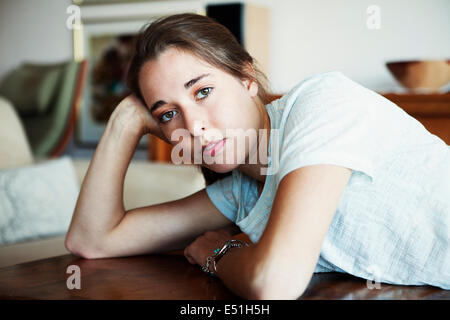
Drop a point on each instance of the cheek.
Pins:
(230, 114)
(239, 117)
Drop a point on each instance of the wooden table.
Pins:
(170, 277)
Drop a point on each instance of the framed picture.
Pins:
(106, 38)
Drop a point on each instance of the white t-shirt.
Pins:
(392, 223)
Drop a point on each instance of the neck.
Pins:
(254, 170)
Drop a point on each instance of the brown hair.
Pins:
(203, 37)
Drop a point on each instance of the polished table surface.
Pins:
(170, 277)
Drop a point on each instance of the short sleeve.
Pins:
(221, 195)
(331, 124)
(234, 195)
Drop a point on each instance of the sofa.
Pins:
(146, 183)
(46, 96)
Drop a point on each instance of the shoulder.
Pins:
(323, 89)
(316, 83)
(311, 96)
(325, 97)
(326, 121)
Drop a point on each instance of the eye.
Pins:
(203, 93)
(171, 115)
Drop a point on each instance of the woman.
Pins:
(348, 181)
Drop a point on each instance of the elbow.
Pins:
(77, 249)
(275, 291)
(278, 286)
(74, 248)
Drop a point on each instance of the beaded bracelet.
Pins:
(218, 254)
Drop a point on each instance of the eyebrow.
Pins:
(187, 85)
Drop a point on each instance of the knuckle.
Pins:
(209, 233)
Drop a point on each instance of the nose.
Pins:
(194, 123)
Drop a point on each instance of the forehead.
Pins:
(176, 66)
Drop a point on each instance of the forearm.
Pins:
(244, 274)
(100, 203)
(236, 269)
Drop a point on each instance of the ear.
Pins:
(249, 84)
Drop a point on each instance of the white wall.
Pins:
(307, 36)
(316, 36)
(33, 31)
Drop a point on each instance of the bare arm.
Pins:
(99, 207)
(165, 227)
(302, 211)
(100, 226)
(281, 264)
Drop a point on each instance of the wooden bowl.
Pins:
(428, 75)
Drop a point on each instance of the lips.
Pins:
(213, 147)
(210, 145)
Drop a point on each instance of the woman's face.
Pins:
(186, 94)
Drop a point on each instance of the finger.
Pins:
(209, 234)
(188, 256)
(225, 232)
(190, 260)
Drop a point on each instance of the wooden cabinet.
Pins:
(432, 110)
(158, 150)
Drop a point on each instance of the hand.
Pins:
(204, 246)
(132, 112)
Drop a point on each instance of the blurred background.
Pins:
(63, 65)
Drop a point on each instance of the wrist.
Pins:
(127, 119)
(210, 266)
(236, 271)
(121, 126)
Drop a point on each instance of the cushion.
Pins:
(37, 201)
(31, 87)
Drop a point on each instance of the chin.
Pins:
(225, 167)
(220, 168)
